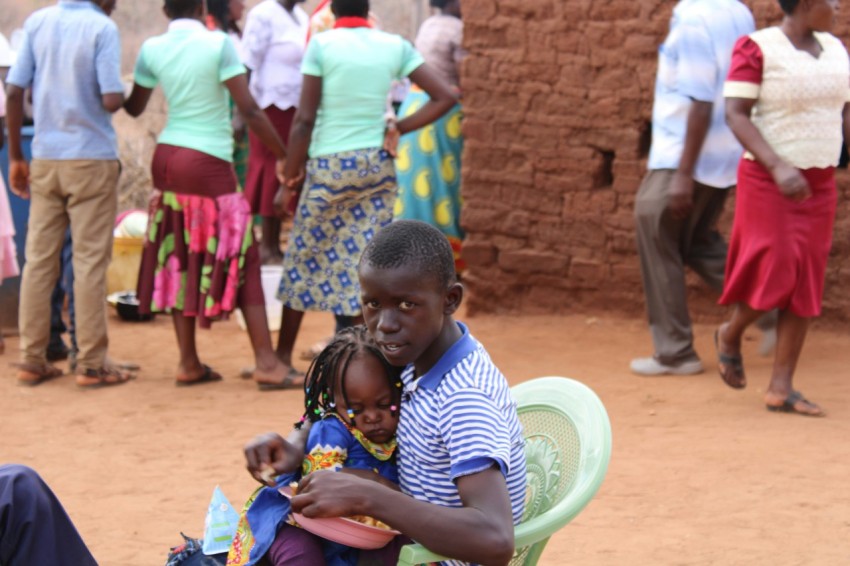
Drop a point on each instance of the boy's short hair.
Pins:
(348, 8)
(182, 8)
(412, 243)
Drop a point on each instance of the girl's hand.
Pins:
(279, 171)
(791, 182)
(270, 450)
(391, 137)
(281, 197)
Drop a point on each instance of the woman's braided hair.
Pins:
(331, 365)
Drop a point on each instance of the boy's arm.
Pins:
(18, 168)
(481, 531)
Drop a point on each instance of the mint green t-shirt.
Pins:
(357, 67)
(191, 64)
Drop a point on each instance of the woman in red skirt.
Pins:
(200, 261)
(786, 101)
(272, 48)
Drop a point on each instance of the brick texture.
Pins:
(557, 102)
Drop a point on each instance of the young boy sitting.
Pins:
(461, 459)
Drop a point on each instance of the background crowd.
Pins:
(778, 96)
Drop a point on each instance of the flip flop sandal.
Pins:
(105, 377)
(209, 376)
(30, 375)
(788, 405)
(731, 368)
(287, 383)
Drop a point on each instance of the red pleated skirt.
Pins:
(261, 184)
(779, 248)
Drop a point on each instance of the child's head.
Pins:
(175, 9)
(351, 378)
(349, 8)
(409, 291)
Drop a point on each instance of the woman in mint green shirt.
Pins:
(337, 148)
(199, 260)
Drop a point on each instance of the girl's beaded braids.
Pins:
(331, 364)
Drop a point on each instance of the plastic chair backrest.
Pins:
(568, 447)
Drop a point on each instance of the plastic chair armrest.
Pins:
(413, 554)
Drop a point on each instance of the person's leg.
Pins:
(34, 527)
(728, 339)
(270, 243)
(703, 247)
(56, 347)
(189, 368)
(343, 321)
(46, 229)
(791, 335)
(293, 545)
(289, 324)
(386, 555)
(68, 286)
(92, 205)
(663, 275)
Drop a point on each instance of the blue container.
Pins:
(9, 289)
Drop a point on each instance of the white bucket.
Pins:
(270, 275)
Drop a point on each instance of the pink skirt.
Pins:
(199, 255)
(779, 248)
(8, 252)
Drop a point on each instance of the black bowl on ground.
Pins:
(127, 306)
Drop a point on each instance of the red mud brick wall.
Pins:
(557, 102)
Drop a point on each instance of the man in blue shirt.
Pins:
(692, 165)
(70, 57)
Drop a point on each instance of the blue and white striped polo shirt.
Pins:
(692, 65)
(456, 420)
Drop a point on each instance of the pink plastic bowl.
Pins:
(342, 530)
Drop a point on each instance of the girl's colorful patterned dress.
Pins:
(332, 445)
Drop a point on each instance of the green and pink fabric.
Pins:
(196, 247)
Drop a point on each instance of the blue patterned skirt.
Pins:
(347, 198)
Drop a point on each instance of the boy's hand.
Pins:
(681, 196)
(331, 494)
(19, 178)
(270, 450)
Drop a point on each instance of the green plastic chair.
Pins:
(568, 447)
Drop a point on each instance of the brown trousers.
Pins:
(665, 246)
(84, 194)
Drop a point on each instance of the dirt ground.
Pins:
(700, 474)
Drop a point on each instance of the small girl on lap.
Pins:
(352, 398)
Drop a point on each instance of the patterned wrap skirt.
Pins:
(347, 198)
(428, 166)
(779, 248)
(199, 255)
